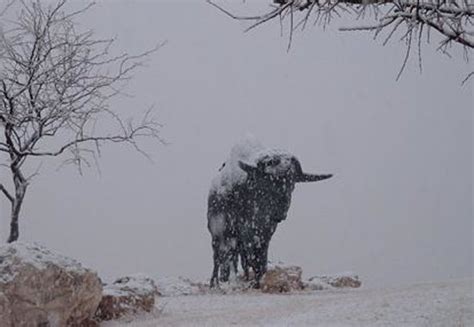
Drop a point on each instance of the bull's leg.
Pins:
(258, 277)
(235, 263)
(224, 250)
(229, 260)
(264, 262)
(215, 272)
(252, 262)
(246, 272)
(225, 271)
(244, 263)
(245, 260)
(261, 265)
(234, 257)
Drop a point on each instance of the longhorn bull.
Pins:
(247, 200)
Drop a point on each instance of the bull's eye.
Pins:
(274, 162)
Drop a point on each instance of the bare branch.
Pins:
(130, 137)
(6, 193)
(467, 78)
(6, 7)
(407, 54)
(453, 19)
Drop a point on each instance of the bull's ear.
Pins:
(249, 169)
(301, 178)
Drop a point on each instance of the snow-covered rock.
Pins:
(39, 287)
(316, 284)
(126, 296)
(282, 279)
(176, 286)
(344, 280)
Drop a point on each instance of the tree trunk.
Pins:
(20, 190)
(15, 215)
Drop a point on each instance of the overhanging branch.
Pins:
(451, 19)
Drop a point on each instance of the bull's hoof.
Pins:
(214, 283)
(255, 285)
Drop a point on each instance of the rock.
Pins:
(316, 284)
(176, 286)
(92, 322)
(282, 279)
(343, 281)
(126, 296)
(5, 310)
(39, 287)
(346, 280)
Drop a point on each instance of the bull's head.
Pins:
(281, 167)
(273, 178)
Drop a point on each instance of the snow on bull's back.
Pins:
(248, 150)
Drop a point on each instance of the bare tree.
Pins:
(55, 87)
(453, 20)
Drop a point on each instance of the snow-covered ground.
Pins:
(425, 304)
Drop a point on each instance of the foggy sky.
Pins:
(398, 210)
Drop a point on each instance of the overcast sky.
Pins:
(398, 210)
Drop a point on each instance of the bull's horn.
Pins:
(311, 177)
